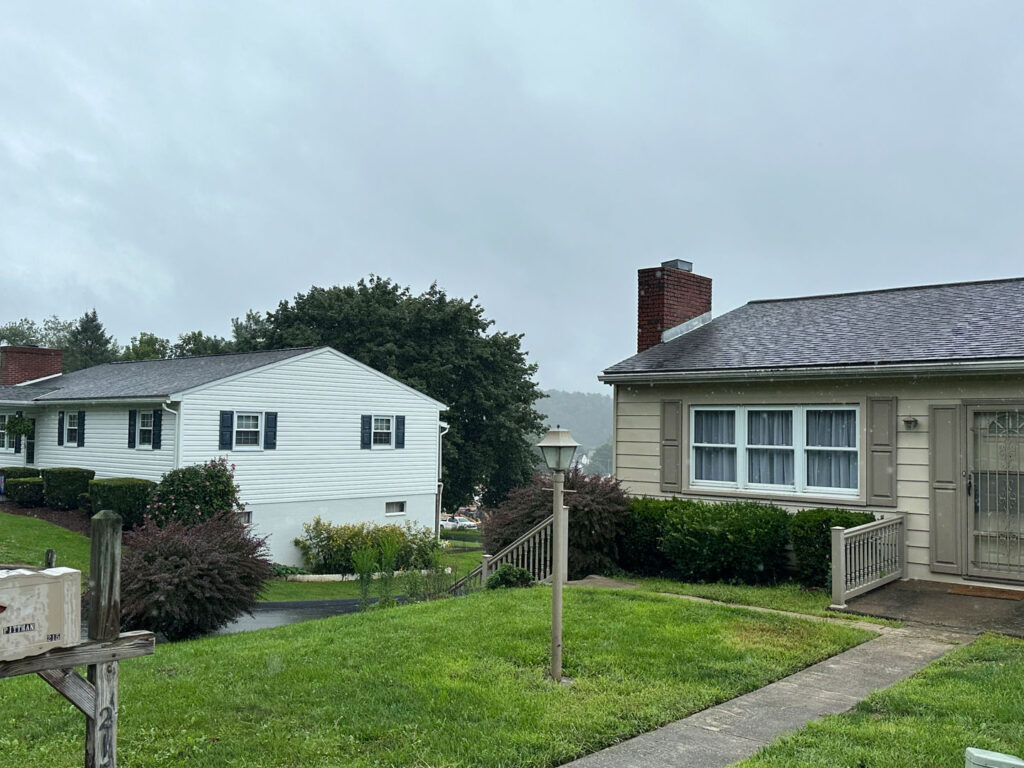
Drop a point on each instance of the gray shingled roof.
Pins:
(955, 322)
(146, 378)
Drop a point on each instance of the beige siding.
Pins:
(638, 408)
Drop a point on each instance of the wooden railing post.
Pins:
(51, 558)
(104, 626)
(838, 568)
(485, 568)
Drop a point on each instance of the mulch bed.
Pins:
(73, 519)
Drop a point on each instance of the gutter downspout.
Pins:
(440, 485)
(177, 433)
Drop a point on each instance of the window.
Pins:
(247, 430)
(71, 429)
(382, 432)
(3, 433)
(793, 449)
(145, 437)
(392, 508)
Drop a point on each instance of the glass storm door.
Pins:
(995, 492)
(30, 445)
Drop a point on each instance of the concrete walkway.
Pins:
(732, 731)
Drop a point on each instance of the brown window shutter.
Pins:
(671, 445)
(945, 476)
(881, 452)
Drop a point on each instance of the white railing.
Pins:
(867, 557)
(532, 551)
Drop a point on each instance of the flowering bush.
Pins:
(193, 494)
(186, 580)
(329, 548)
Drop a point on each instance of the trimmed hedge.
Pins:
(329, 548)
(810, 533)
(640, 548)
(17, 473)
(26, 491)
(127, 496)
(63, 485)
(509, 576)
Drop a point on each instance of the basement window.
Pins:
(394, 508)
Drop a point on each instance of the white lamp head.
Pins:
(558, 448)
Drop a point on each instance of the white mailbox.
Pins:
(39, 611)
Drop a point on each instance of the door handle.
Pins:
(970, 483)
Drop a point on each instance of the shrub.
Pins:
(26, 491)
(735, 542)
(187, 580)
(195, 493)
(597, 516)
(390, 544)
(128, 496)
(509, 576)
(17, 473)
(365, 561)
(282, 572)
(62, 486)
(329, 548)
(640, 549)
(810, 532)
(85, 502)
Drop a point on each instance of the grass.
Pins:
(24, 541)
(971, 698)
(448, 683)
(783, 597)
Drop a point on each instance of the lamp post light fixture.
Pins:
(558, 448)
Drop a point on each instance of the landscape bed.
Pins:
(971, 698)
(454, 682)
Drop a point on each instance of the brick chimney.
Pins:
(20, 364)
(668, 296)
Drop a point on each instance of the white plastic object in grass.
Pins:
(982, 758)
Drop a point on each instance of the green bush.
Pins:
(62, 486)
(640, 548)
(195, 493)
(85, 502)
(810, 532)
(26, 491)
(329, 548)
(17, 473)
(509, 576)
(739, 542)
(127, 496)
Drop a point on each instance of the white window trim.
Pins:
(8, 446)
(260, 433)
(405, 508)
(799, 448)
(68, 442)
(138, 432)
(373, 423)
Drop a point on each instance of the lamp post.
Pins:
(558, 448)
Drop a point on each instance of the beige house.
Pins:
(907, 401)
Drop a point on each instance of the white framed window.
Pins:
(793, 449)
(71, 429)
(248, 430)
(394, 508)
(3, 434)
(383, 432)
(144, 433)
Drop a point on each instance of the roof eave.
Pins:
(873, 370)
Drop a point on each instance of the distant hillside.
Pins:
(587, 415)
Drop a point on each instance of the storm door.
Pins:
(30, 445)
(995, 492)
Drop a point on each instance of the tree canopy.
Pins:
(434, 343)
(88, 344)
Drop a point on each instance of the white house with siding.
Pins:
(310, 431)
(905, 402)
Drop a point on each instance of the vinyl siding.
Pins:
(637, 454)
(319, 399)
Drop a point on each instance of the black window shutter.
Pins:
(270, 430)
(366, 432)
(227, 426)
(399, 431)
(81, 428)
(158, 424)
(17, 438)
(132, 416)
(60, 427)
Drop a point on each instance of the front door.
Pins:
(30, 445)
(995, 492)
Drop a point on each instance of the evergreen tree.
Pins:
(88, 344)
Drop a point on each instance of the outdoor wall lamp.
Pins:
(910, 422)
(558, 448)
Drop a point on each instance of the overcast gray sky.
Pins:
(175, 165)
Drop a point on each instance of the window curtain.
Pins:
(766, 465)
(832, 429)
(715, 427)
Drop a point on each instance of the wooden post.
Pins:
(558, 576)
(104, 626)
(838, 568)
(485, 568)
(51, 558)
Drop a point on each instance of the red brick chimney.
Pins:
(20, 364)
(668, 296)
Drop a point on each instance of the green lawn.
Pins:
(971, 698)
(24, 541)
(449, 683)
